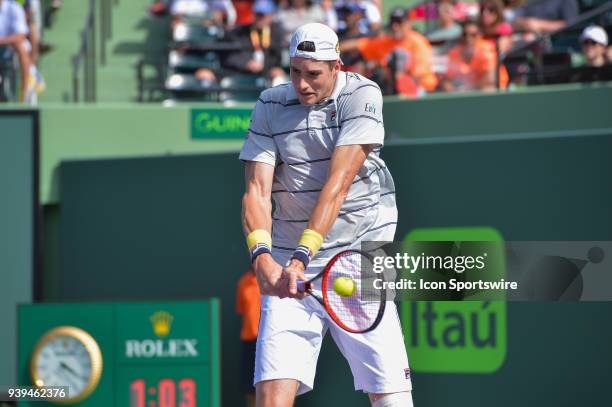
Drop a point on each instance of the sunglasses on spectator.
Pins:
(589, 42)
(490, 9)
(471, 34)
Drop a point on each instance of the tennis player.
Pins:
(313, 148)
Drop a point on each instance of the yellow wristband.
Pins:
(312, 240)
(259, 236)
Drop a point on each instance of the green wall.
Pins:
(537, 109)
(18, 142)
(72, 132)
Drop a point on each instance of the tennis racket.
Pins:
(358, 313)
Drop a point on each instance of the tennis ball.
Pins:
(344, 286)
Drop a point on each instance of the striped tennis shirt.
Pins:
(299, 141)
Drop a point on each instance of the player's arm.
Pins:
(257, 223)
(349, 45)
(345, 164)
(12, 39)
(257, 199)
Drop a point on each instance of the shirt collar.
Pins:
(339, 85)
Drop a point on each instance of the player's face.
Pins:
(313, 80)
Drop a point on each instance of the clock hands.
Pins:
(71, 371)
(68, 379)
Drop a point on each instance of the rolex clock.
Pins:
(67, 356)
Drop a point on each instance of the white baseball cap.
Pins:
(596, 34)
(315, 41)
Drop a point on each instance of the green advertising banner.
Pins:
(222, 123)
(456, 336)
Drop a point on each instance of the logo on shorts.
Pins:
(407, 373)
(370, 108)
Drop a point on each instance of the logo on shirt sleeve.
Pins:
(370, 108)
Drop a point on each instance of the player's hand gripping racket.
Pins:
(361, 307)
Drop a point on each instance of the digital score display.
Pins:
(170, 385)
(163, 393)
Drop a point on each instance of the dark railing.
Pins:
(86, 55)
(106, 27)
(540, 45)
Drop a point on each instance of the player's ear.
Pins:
(335, 66)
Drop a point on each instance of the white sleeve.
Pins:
(361, 117)
(372, 13)
(19, 23)
(259, 144)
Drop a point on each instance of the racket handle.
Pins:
(302, 286)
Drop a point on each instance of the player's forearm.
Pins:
(349, 45)
(257, 199)
(12, 39)
(549, 26)
(256, 213)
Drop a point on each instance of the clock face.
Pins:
(67, 356)
(64, 361)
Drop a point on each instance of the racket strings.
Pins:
(359, 311)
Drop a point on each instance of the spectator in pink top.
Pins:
(493, 26)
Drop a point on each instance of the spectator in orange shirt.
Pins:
(248, 305)
(472, 63)
(405, 51)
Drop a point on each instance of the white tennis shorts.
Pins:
(291, 332)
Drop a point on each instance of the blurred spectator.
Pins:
(371, 12)
(330, 17)
(447, 28)
(218, 12)
(405, 57)
(297, 13)
(244, 12)
(354, 23)
(472, 63)
(13, 31)
(493, 26)
(541, 17)
(355, 26)
(262, 51)
(445, 35)
(594, 41)
(248, 305)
